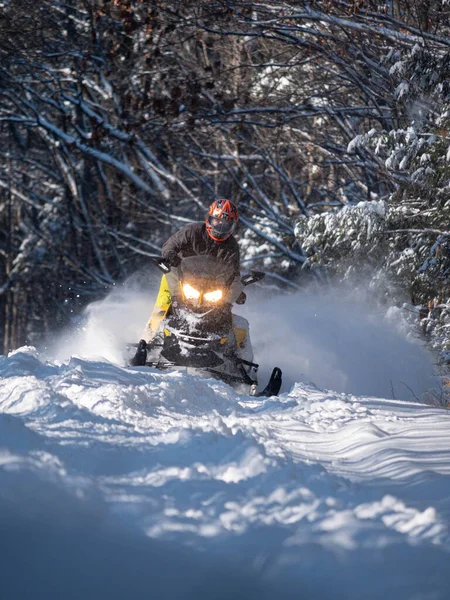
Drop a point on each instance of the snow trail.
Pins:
(166, 482)
(128, 480)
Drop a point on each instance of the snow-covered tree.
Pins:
(122, 120)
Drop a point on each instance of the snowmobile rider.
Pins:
(212, 237)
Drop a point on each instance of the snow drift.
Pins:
(125, 482)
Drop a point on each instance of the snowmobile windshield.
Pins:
(207, 272)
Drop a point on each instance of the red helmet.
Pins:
(221, 217)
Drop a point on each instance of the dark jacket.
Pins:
(193, 239)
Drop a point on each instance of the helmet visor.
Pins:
(220, 226)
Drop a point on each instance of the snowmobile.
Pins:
(200, 332)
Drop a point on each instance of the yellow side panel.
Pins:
(164, 296)
(161, 307)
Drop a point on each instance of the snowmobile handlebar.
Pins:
(162, 264)
(252, 277)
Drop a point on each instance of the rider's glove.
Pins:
(175, 261)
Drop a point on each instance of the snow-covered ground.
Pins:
(128, 483)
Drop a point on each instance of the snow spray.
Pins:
(339, 340)
(335, 339)
(105, 327)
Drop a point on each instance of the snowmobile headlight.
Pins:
(190, 292)
(213, 296)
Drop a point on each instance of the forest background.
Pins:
(327, 123)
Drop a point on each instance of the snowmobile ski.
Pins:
(272, 388)
(140, 358)
(274, 385)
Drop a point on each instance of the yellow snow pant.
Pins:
(160, 309)
(240, 335)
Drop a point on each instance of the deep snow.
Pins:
(129, 483)
(336, 337)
